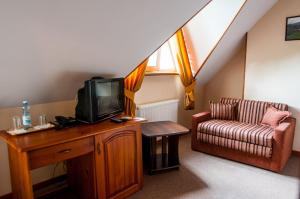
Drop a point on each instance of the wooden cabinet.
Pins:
(119, 162)
(104, 160)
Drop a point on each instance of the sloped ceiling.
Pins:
(48, 48)
(252, 11)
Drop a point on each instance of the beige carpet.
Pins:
(210, 177)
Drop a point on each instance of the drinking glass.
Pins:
(16, 122)
(42, 120)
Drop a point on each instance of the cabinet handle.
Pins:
(65, 151)
(98, 148)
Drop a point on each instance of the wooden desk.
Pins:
(104, 160)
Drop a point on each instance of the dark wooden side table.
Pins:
(169, 132)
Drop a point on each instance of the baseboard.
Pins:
(296, 153)
(41, 185)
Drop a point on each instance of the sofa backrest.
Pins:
(251, 111)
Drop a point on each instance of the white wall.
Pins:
(250, 13)
(229, 81)
(206, 28)
(159, 88)
(48, 48)
(272, 67)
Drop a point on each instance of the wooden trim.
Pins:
(245, 62)
(296, 153)
(169, 37)
(159, 73)
(40, 185)
(151, 69)
(213, 49)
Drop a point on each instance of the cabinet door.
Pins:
(119, 162)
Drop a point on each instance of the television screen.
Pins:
(108, 97)
(100, 99)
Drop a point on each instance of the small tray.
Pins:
(30, 130)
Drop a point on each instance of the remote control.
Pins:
(126, 118)
(116, 120)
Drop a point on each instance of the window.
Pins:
(162, 61)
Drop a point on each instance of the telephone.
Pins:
(63, 122)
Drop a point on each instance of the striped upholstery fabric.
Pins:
(229, 100)
(250, 111)
(223, 111)
(250, 133)
(253, 149)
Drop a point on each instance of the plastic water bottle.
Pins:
(26, 118)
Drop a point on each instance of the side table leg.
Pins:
(164, 154)
(173, 142)
(152, 154)
(20, 174)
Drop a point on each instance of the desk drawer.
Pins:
(60, 152)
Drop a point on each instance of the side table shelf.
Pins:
(168, 158)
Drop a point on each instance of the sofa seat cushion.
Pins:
(253, 149)
(261, 135)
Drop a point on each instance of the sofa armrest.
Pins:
(196, 119)
(283, 142)
(286, 127)
(290, 120)
(201, 117)
(280, 130)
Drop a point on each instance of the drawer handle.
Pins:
(65, 151)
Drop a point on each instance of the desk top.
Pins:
(46, 138)
(163, 128)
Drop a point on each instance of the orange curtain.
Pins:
(133, 83)
(185, 71)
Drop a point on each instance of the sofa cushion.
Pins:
(251, 111)
(253, 149)
(223, 111)
(250, 133)
(273, 116)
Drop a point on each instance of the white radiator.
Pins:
(159, 111)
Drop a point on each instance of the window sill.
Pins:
(160, 73)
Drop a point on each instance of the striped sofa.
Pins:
(245, 139)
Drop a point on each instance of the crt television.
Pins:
(100, 99)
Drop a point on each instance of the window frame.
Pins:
(155, 70)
